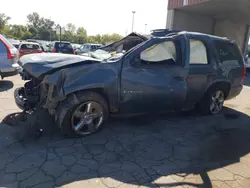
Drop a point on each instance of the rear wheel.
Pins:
(217, 102)
(84, 117)
(212, 103)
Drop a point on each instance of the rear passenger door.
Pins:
(201, 68)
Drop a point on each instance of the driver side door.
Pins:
(152, 83)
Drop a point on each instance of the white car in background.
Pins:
(8, 58)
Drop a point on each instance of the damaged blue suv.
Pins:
(182, 70)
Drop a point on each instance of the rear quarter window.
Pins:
(228, 52)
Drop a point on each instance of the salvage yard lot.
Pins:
(177, 150)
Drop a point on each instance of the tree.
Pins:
(71, 28)
(34, 20)
(39, 27)
(3, 21)
(17, 31)
(81, 35)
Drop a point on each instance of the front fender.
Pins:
(78, 78)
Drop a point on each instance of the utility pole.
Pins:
(60, 34)
(133, 19)
(146, 28)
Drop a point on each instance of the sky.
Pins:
(96, 16)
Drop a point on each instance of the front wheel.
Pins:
(212, 103)
(86, 117)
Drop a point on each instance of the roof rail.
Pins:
(163, 32)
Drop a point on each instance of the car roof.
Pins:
(189, 33)
(62, 42)
(92, 44)
(25, 42)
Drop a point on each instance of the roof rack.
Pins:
(163, 32)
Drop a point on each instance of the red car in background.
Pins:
(29, 48)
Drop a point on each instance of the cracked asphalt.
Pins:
(173, 150)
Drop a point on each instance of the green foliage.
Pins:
(3, 21)
(43, 29)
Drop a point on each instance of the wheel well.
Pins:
(224, 86)
(101, 92)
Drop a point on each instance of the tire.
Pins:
(204, 106)
(66, 110)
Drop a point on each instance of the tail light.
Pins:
(243, 74)
(10, 52)
(53, 49)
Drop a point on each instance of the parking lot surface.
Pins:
(174, 150)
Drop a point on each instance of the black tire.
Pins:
(203, 107)
(66, 108)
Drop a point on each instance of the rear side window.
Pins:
(198, 52)
(63, 45)
(30, 47)
(228, 52)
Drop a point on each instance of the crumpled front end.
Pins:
(27, 97)
(35, 94)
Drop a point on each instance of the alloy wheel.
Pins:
(217, 102)
(87, 118)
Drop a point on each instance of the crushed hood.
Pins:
(40, 64)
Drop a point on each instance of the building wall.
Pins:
(231, 30)
(180, 20)
(172, 4)
(191, 22)
(170, 19)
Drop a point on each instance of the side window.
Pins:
(162, 54)
(24, 46)
(198, 52)
(228, 52)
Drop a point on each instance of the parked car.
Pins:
(29, 48)
(180, 71)
(43, 44)
(76, 46)
(62, 47)
(8, 58)
(87, 48)
(14, 42)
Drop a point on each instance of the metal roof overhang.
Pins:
(234, 10)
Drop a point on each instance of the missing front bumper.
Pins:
(24, 101)
(20, 98)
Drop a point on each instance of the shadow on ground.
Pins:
(5, 85)
(151, 151)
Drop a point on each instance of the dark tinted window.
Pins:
(30, 46)
(63, 45)
(228, 51)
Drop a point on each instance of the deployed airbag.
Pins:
(159, 52)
